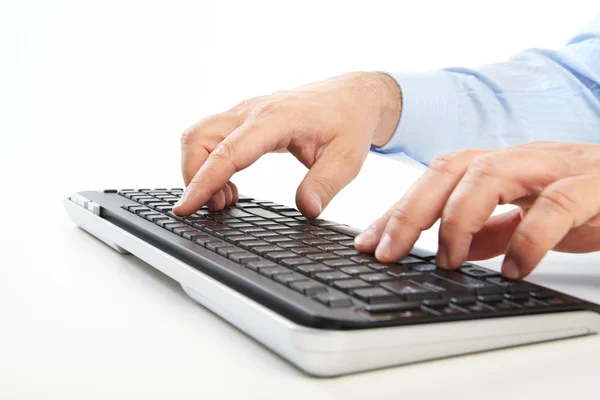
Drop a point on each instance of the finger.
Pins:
(337, 166)
(237, 151)
(201, 138)
(419, 208)
(217, 201)
(492, 240)
(562, 206)
(228, 194)
(235, 195)
(496, 178)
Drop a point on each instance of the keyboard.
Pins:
(317, 259)
(300, 287)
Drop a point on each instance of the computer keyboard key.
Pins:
(408, 290)
(348, 285)
(181, 231)
(315, 241)
(253, 219)
(393, 306)
(277, 227)
(253, 229)
(305, 250)
(214, 245)
(290, 244)
(291, 214)
(320, 256)
(205, 240)
(239, 238)
(338, 238)
(155, 218)
(235, 213)
(560, 301)
(292, 262)
(363, 259)
(276, 239)
(511, 285)
(263, 223)
(163, 208)
(400, 271)
(243, 257)
(307, 228)
(542, 295)
(238, 225)
(272, 271)
(334, 300)
(356, 270)
(338, 263)
(422, 253)
(441, 286)
(249, 244)
(320, 232)
(477, 286)
(261, 212)
(257, 265)
(264, 234)
(423, 267)
(477, 271)
(222, 234)
(193, 234)
(322, 223)
(375, 295)
(517, 297)
(280, 255)
(312, 269)
(225, 251)
(345, 230)
(168, 221)
(301, 236)
(287, 231)
(463, 300)
(288, 278)
(436, 303)
(331, 276)
(347, 243)
(376, 277)
(262, 250)
(308, 287)
(490, 298)
(244, 199)
(479, 308)
(346, 253)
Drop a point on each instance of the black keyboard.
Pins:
(309, 270)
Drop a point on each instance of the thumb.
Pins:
(334, 169)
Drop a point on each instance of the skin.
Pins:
(329, 127)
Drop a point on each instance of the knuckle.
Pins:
(483, 167)
(266, 108)
(327, 185)
(402, 218)
(558, 201)
(526, 240)
(446, 164)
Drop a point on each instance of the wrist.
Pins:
(389, 98)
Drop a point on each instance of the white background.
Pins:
(95, 95)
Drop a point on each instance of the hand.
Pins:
(556, 187)
(328, 126)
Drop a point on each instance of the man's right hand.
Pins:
(328, 126)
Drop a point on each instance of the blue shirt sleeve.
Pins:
(538, 94)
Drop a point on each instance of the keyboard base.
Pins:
(327, 353)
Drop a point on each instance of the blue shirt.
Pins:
(538, 94)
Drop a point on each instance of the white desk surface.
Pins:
(81, 321)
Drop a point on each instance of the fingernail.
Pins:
(366, 238)
(385, 247)
(181, 199)
(441, 259)
(510, 268)
(318, 201)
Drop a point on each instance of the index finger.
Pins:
(239, 150)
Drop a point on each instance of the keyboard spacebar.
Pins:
(261, 212)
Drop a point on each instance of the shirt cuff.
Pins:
(429, 118)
